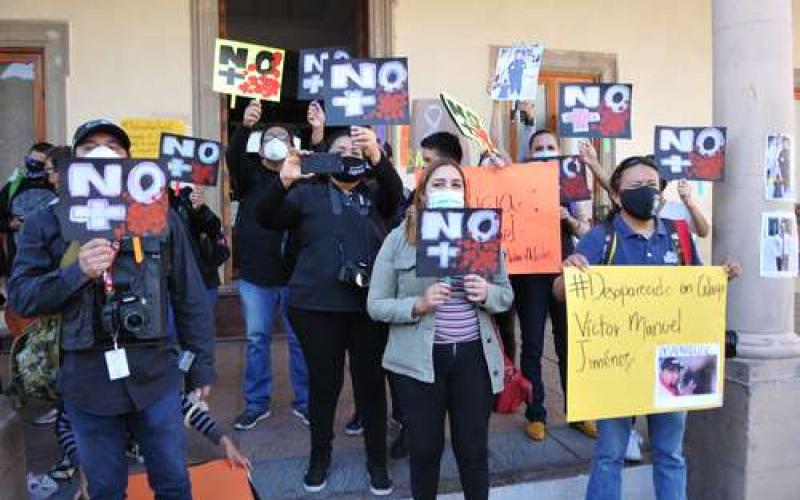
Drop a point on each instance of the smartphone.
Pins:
(321, 163)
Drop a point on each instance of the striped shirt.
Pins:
(456, 319)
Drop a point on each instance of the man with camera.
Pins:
(119, 373)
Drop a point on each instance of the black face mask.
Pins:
(34, 168)
(640, 202)
(353, 169)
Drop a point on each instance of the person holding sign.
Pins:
(263, 273)
(442, 349)
(634, 235)
(337, 225)
(534, 302)
(114, 381)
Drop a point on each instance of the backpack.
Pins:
(679, 235)
(35, 353)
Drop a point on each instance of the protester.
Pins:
(641, 238)
(204, 229)
(534, 301)
(442, 351)
(15, 205)
(441, 146)
(686, 209)
(338, 225)
(263, 272)
(53, 276)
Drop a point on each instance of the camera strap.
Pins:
(364, 205)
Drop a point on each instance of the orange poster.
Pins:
(210, 481)
(528, 197)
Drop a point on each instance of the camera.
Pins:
(354, 274)
(126, 313)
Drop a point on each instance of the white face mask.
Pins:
(275, 150)
(546, 153)
(446, 199)
(102, 152)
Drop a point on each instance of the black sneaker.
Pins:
(302, 415)
(355, 427)
(63, 470)
(379, 483)
(399, 449)
(316, 477)
(248, 419)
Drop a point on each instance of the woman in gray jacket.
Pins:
(442, 351)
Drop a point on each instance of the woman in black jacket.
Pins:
(337, 226)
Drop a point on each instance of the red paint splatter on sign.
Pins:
(148, 219)
(204, 174)
(706, 167)
(391, 106)
(612, 124)
(479, 257)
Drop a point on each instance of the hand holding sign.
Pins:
(435, 295)
(95, 257)
(252, 113)
(477, 288)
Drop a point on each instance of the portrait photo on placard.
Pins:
(517, 73)
(779, 251)
(778, 168)
(687, 376)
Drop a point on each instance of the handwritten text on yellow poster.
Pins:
(644, 340)
(145, 134)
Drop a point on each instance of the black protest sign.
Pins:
(595, 110)
(311, 79)
(189, 159)
(696, 153)
(572, 180)
(112, 198)
(366, 92)
(457, 242)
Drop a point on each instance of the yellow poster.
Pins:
(145, 134)
(248, 70)
(644, 340)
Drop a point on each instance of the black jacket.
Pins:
(205, 236)
(325, 241)
(7, 213)
(259, 249)
(39, 286)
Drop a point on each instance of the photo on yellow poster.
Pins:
(248, 70)
(644, 340)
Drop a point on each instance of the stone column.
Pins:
(750, 448)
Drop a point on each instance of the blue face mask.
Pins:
(446, 198)
(544, 154)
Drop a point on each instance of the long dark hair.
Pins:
(420, 201)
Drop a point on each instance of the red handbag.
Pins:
(516, 388)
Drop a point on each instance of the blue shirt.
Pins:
(633, 249)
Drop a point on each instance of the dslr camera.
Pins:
(355, 274)
(126, 313)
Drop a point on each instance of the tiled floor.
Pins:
(278, 446)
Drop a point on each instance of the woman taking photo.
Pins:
(442, 350)
(336, 227)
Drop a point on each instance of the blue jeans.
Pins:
(259, 304)
(669, 466)
(158, 429)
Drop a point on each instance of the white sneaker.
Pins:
(633, 453)
(48, 418)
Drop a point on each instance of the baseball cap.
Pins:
(101, 125)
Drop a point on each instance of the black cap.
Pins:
(671, 364)
(101, 125)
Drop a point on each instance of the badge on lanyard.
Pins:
(670, 257)
(117, 363)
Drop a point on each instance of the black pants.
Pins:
(505, 326)
(533, 300)
(462, 390)
(325, 337)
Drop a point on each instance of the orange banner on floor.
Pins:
(528, 197)
(210, 481)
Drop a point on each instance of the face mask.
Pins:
(354, 169)
(544, 154)
(275, 150)
(640, 202)
(446, 199)
(34, 168)
(102, 152)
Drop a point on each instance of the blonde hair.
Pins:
(420, 200)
